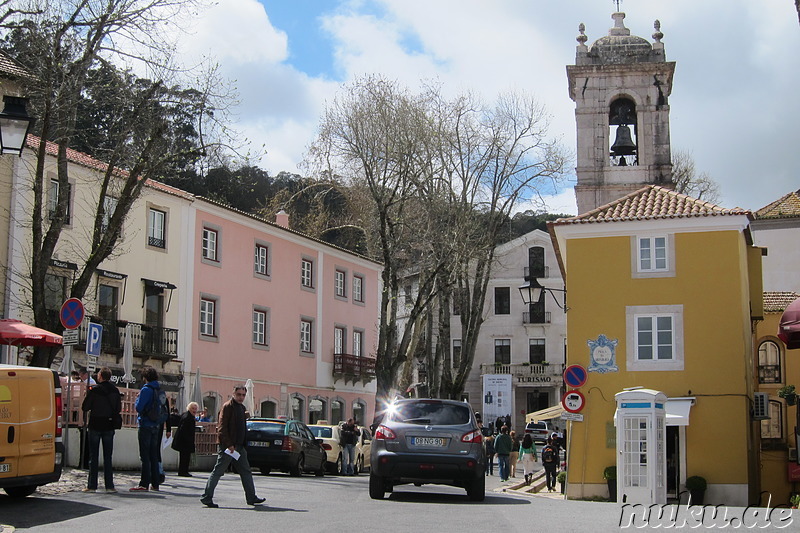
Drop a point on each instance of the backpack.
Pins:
(548, 455)
(158, 410)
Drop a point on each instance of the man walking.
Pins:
(550, 463)
(104, 404)
(349, 440)
(502, 447)
(149, 441)
(232, 432)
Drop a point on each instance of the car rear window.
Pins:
(321, 432)
(434, 413)
(271, 427)
(537, 425)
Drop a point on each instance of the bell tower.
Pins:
(620, 86)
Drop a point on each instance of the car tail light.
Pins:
(59, 414)
(473, 436)
(384, 433)
(288, 445)
(326, 446)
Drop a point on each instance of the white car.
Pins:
(331, 437)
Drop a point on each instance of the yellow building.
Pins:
(662, 293)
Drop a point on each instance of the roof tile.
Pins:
(777, 301)
(787, 206)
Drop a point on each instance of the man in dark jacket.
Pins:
(103, 402)
(349, 439)
(149, 441)
(502, 447)
(232, 433)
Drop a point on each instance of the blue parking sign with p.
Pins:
(94, 336)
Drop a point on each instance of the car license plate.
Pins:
(428, 441)
(5, 467)
(261, 443)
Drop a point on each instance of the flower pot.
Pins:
(612, 489)
(561, 485)
(697, 496)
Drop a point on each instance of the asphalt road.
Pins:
(309, 504)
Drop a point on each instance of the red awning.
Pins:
(789, 329)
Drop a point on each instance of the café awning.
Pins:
(678, 411)
(789, 329)
(545, 414)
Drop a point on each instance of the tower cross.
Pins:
(617, 2)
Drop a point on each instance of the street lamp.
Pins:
(14, 125)
(533, 292)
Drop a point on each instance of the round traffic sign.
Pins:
(575, 376)
(573, 401)
(72, 313)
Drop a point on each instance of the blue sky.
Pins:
(734, 104)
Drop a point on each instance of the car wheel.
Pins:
(321, 470)
(298, 468)
(339, 465)
(377, 487)
(476, 489)
(359, 466)
(264, 470)
(20, 492)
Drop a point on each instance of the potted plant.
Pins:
(562, 480)
(789, 393)
(795, 501)
(696, 485)
(610, 475)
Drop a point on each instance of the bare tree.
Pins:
(688, 181)
(441, 175)
(62, 44)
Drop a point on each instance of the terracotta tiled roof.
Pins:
(777, 302)
(786, 207)
(79, 158)
(9, 67)
(649, 203)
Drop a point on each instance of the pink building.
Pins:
(295, 315)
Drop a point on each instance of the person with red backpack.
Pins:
(550, 463)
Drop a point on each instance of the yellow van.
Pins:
(31, 448)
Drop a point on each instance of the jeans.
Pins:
(148, 452)
(242, 467)
(348, 459)
(489, 464)
(95, 437)
(503, 461)
(550, 473)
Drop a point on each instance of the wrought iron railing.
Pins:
(147, 341)
(542, 317)
(353, 366)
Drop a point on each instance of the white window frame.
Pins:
(340, 283)
(210, 245)
(208, 317)
(109, 206)
(665, 266)
(260, 327)
(307, 273)
(358, 342)
(358, 288)
(633, 314)
(306, 336)
(156, 227)
(339, 342)
(261, 259)
(53, 200)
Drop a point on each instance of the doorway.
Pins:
(674, 460)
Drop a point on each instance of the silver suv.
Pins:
(428, 441)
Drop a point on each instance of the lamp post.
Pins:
(533, 292)
(14, 125)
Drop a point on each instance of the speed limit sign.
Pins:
(573, 401)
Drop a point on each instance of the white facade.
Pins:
(781, 265)
(527, 342)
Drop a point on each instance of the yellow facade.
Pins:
(711, 285)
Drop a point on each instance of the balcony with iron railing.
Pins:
(541, 317)
(538, 272)
(353, 368)
(530, 372)
(149, 342)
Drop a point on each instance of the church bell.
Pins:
(623, 144)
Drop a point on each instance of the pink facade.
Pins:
(266, 306)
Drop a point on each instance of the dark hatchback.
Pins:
(428, 441)
(285, 445)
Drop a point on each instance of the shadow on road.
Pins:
(449, 498)
(31, 511)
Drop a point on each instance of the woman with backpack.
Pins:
(527, 455)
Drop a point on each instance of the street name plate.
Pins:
(70, 337)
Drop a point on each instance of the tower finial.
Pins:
(617, 3)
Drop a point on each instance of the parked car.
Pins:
(428, 441)
(331, 437)
(286, 445)
(539, 431)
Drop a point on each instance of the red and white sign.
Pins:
(573, 401)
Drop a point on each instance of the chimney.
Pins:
(282, 219)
